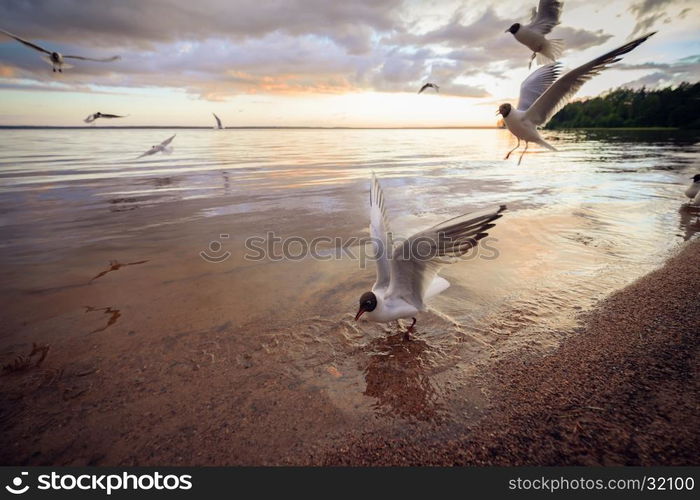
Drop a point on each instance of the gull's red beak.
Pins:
(360, 312)
(498, 112)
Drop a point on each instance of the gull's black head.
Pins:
(696, 178)
(504, 109)
(368, 302)
(514, 28)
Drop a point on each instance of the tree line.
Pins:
(669, 107)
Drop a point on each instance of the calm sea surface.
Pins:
(580, 224)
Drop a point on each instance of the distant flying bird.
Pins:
(532, 35)
(218, 122)
(541, 96)
(693, 191)
(55, 59)
(91, 118)
(407, 275)
(162, 147)
(429, 86)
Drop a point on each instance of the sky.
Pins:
(356, 63)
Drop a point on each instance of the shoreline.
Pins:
(623, 391)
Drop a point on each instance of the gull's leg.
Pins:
(532, 58)
(409, 330)
(523, 153)
(516, 147)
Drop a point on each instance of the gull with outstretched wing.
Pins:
(163, 147)
(407, 275)
(429, 86)
(91, 118)
(532, 35)
(542, 95)
(56, 59)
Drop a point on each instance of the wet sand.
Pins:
(623, 391)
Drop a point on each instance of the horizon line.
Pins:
(244, 127)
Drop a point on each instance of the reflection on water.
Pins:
(689, 220)
(115, 265)
(398, 376)
(113, 314)
(580, 224)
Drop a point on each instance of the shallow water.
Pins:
(580, 224)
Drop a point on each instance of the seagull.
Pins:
(431, 86)
(544, 18)
(542, 95)
(693, 192)
(162, 147)
(91, 118)
(55, 59)
(218, 122)
(408, 277)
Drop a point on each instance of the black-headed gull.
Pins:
(693, 191)
(429, 86)
(91, 118)
(218, 122)
(532, 35)
(162, 147)
(542, 95)
(407, 274)
(56, 59)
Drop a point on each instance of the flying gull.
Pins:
(56, 59)
(542, 95)
(218, 122)
(429, 86)
(162, 147)
(532, 35)
(91, 118)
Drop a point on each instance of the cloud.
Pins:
(648, 13)
(135, 23)
(216, 49)
(665, 74)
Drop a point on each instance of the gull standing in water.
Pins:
(162, 147)
(693, 191)
(91, 118)
(429, 86)
(542, 95)
(56, 59)
(532, 35)
(218, 122)
(408, 277)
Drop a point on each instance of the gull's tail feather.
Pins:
(545, 144)
(550, 52)
(167, 150)
(438, 285)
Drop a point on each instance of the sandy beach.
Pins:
(622, 391)
(122, 345)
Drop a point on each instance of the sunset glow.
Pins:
(312, 63)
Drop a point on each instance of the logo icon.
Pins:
(17, 482)
(215, 247)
